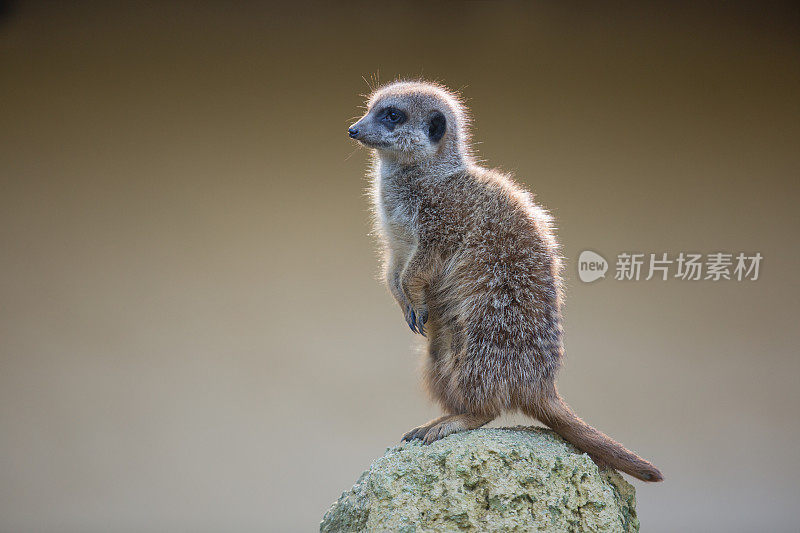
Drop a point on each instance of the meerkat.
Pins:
(474, 265)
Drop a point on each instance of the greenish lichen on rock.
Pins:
(510, 479)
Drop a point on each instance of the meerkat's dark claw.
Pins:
(411, 318)
(416, 319)
(422, 319)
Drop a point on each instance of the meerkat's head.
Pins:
(414, 122)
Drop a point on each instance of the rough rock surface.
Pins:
(510, 479)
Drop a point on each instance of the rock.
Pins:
(510, 479)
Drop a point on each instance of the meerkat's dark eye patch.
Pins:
(436, 127)
(391, 117)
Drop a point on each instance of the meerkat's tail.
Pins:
(554, 412)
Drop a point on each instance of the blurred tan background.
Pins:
(192, 337)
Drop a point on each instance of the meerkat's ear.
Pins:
(436, 127)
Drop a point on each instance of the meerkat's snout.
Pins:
(360, 130)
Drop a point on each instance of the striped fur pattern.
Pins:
(474, 265)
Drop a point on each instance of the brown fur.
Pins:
(474, 265)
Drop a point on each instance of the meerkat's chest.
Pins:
(397, 219)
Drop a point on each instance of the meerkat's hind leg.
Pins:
(420, 431)
(454, 424)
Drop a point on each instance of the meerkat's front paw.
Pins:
(416, 318)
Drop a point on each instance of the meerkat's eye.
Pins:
(391, 117)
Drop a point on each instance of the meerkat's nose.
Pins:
(353, 132)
